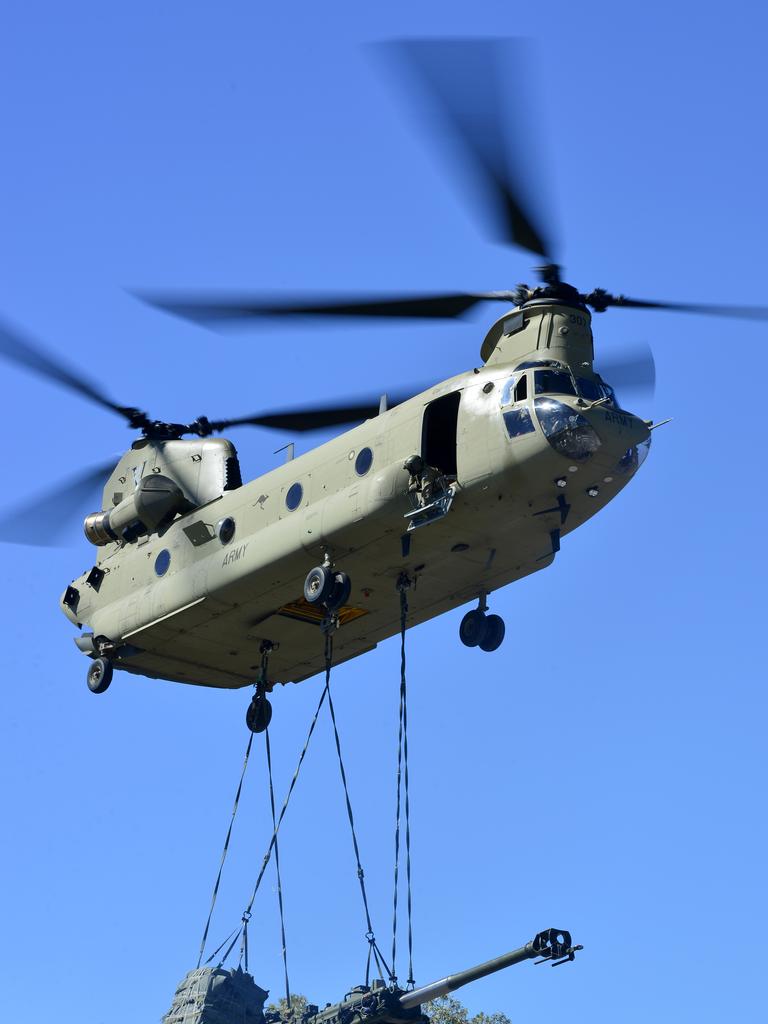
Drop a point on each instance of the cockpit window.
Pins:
(597, 390)
(518, 422)
(515, 390)
(554, 382)
(589, 389)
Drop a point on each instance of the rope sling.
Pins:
(373, 949)
(374, 952)
(402, 771)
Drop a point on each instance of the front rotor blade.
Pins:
(215, 308)
(705, 309)
(42, 520)
(20, 349)
(304, 420)
(631, 370)
(462, 101)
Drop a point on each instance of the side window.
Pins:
(515, 390)
(518, 422)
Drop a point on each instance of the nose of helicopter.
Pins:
(618, 431)
(625, 441)
(595, 433)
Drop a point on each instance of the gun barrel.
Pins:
(551, 944)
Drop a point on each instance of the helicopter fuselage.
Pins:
(504, 470)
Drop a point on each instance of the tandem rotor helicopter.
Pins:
(463, 488)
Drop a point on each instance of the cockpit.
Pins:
(554, 378)
(566, 430)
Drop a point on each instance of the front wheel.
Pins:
(99, 675)
(319, 585)
(342, 588)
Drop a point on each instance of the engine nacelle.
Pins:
(156, 500)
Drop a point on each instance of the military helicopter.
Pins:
(455, 491)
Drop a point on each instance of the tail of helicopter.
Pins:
(157, 480)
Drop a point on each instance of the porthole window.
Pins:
(162, 562)
(364, 461)
(294, 496)
(226, 530)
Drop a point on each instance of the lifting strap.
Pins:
(273, 841)
(224, 852)
(402, 771)
(242, 928)
(374, 952)
(277, 872)
(261, 683)
(373, 949)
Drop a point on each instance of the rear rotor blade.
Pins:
(43, 519)
(216, 308)
(304, 420)
(461, 98)
(17, 347)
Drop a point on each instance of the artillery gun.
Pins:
(380, 1003)
(215, 996)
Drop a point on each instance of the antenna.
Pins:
(289, 449)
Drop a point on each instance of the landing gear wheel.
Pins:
(319, 584)
(259, 714)
(342, 588)
(472, 628)
(99, 675)
(494, 633)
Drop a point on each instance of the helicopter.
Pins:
(453, 491)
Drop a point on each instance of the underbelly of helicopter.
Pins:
(484, 542)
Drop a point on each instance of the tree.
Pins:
(450, 1011)
(298, 1006)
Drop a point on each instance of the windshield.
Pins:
(554, 382)
(593, 390)
(567, 431)
(590, 389)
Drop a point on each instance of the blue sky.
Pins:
(604, 771)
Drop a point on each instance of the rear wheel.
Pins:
(472, 628)
(494, 633)
(259, 714)
(99, 675)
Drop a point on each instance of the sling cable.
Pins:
(402, 816)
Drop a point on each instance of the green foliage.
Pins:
(450, 1011)
(298, 1006)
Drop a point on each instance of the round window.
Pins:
(363, 461)
(162, 562)
(294, 496)
(226, 530)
